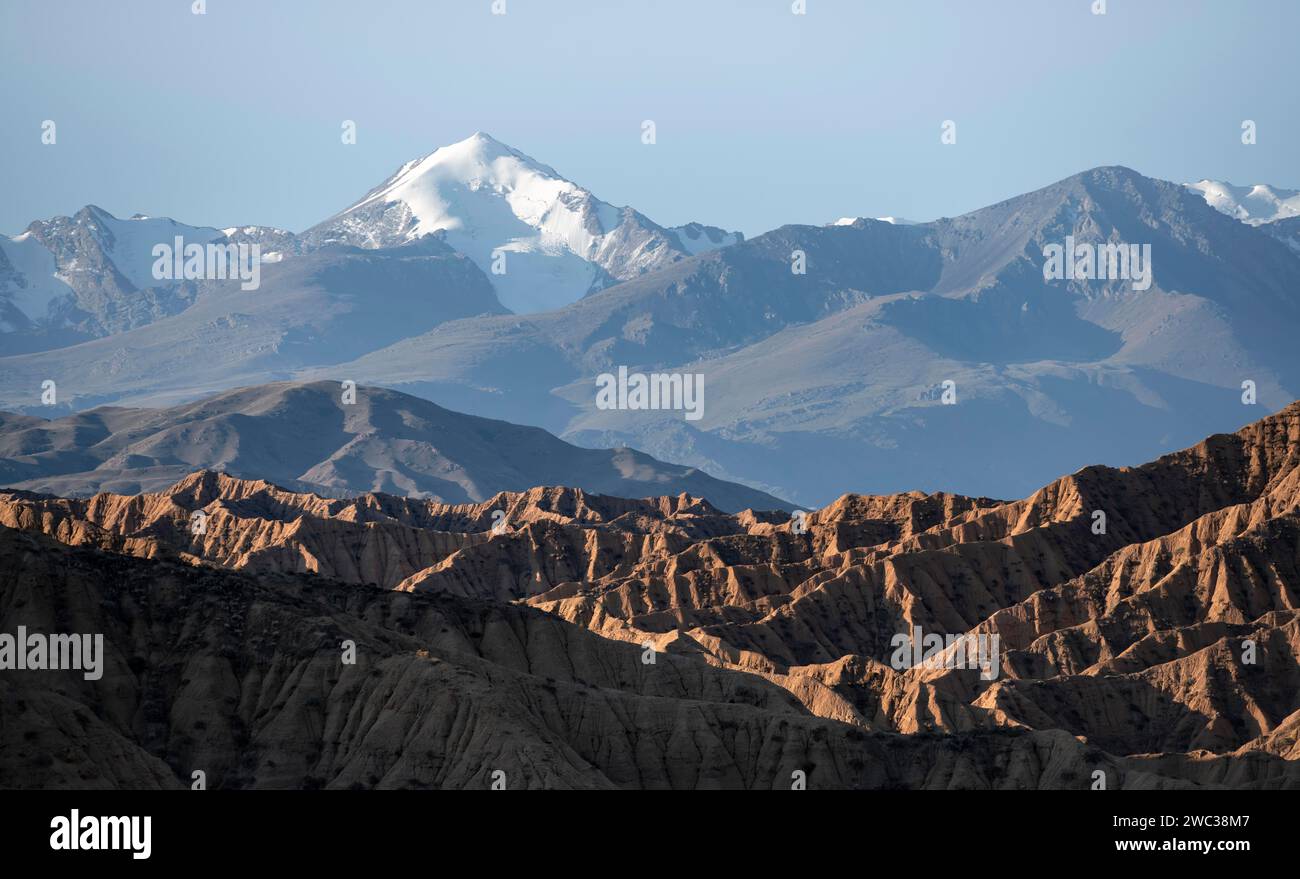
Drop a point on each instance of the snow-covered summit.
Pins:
(544, 240)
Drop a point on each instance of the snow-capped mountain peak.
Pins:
(893, 221)
(440, 189)
(1254, 205)
(82, 274)
(544, 240)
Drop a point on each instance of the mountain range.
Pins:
(90, 275)
(870, 355)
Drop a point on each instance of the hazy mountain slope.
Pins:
(1287, 231)
(707, 305)
(833, 378)
(836, 375)
(852, 397)
(304, 435)
(315, 308)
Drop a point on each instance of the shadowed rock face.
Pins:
(1160, 650)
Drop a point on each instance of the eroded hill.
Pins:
(1147, 624)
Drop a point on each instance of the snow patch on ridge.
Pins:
(37, 283)
(1254, 205)
(893, 221)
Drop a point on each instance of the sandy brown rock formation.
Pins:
(517, 633)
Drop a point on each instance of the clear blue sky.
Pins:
(763, 117)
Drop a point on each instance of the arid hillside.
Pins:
(1144, 623)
